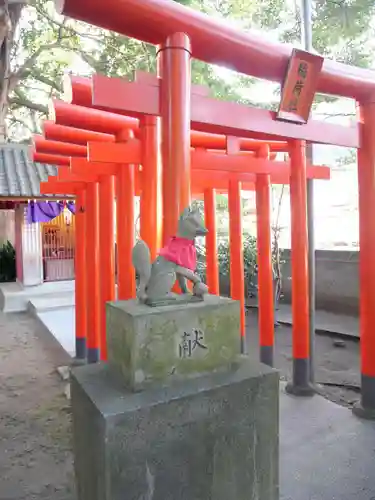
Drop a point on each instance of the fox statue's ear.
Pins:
(186, 213)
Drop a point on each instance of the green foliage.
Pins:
(221, 202)
(223, 253)
(46, 45)
(340, 30)
(348, 159)
(7, 262)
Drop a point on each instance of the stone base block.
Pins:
(208, 438)
(150, 345)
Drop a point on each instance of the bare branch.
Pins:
(96, 38)
(327, 116)
(91, 61)
(22, 101)
(47, 81)
(29, 63)
(18, 121)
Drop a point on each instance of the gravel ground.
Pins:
(35, 447)
(337, 370)
(35, 426)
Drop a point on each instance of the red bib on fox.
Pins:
(181, 251)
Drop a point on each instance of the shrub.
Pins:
(7, 262)
(250, 262)
(223, 251)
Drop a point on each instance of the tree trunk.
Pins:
(10, 13)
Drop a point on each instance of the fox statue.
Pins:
(176, 260)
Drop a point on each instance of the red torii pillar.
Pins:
(237, 272)
(99, 256)
(300, 384)
(93, 273)
(237, 282)
(82, 303)
(175, 122)
(83, 169)
(265, 272)
(212, 265)
(80, 277)
(125, 193)
(105, 199)
(366, 186)
(125, 226)
(150, 206)
(92, 263)
(106, 253)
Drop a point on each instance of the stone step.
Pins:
(15, 298)
(51, 302)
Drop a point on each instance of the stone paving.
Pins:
(325, 452)
(326, 322)
(35, 431)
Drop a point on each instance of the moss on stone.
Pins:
(143, 344)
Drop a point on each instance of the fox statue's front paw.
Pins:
(142, 297)
(200, 289)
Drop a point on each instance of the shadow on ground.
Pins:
(35, 431)
(337, 367)
(35, 428)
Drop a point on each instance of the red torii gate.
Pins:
(145, 97)
(215, 42)
(83, 171)
(239, 163)
(232, 168)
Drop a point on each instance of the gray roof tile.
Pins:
(19, 176)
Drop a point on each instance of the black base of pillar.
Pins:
(266, 354)
(361, 412)
(300, 386)
(93, 355)
(366, 407)
(81, 348)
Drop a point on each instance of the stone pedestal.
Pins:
(176, 413)
(148, 345)
(209, 438)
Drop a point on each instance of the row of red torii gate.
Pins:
(165, 140)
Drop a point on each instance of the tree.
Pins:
(45, 45)
(341, 30)
(10, 13)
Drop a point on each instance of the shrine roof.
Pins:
(20, 177)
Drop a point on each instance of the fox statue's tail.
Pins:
(142, 262)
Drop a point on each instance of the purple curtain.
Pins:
(71, 207)
(45, 211)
